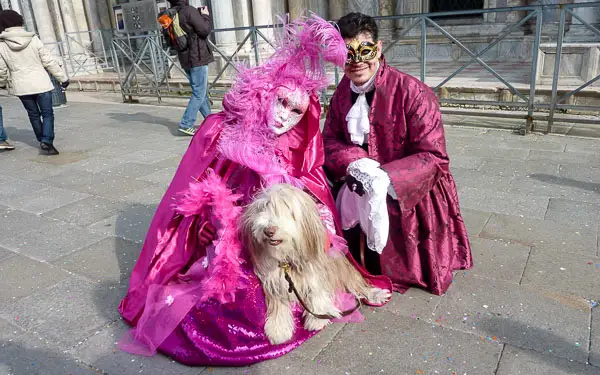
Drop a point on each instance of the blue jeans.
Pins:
(198, 78)
(2, 133)
(41, 115)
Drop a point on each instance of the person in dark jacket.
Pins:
(194, 60)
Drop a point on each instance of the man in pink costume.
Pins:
(193, 294)
(390, 122)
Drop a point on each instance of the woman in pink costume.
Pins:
(192, 296)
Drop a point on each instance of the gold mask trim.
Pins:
(361, 51)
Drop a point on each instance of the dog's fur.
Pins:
(282, 225)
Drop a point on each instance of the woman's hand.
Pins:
(206, 234)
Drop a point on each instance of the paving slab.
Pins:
(103, 185)
(495, 152)
(162, 177)
(573, 212)
(512, 203)
(556, 187)
(415, 304)
(532, 232)
(15, 187)
(109, 260)
(149, 196)
(498, 260)
(131, 224)
(87, 211)
(588, 145)
(517, 361)
(149, 156)
(386, 343)
(466, 178)
(21, 276)
(36, 356)
(474, 220)
(564, 157)
(5, 253)
(51, 240)
(44, 200)
(98, 163)
(572, 274)
(288, 364)
(132, 170)
(100, 351)
(316, 344)
(595, 337)
(525, 317)
(584, 173)
(82, 306)
(516, 168)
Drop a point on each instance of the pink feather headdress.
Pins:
(304, 48)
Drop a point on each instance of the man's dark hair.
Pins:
(10, 18)
(353, 24)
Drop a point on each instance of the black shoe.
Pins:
(50, 149)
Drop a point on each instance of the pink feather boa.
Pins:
(211, 196)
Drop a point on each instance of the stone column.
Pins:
(591, 15)
(408, 7)
(386, 27)
(83, 19)
(222, 15)
(14, 5)
(43, 19)
(243, 18)
(265, 12)
(27, 13)
(297, 7)
(104, 12)
(337, 9)
(368, 7)
(69, 21)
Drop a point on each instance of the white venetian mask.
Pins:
(289, 106)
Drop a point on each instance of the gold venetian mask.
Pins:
(360, 51)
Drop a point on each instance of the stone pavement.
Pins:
(71, 228)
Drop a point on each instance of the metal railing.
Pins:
(146, 67)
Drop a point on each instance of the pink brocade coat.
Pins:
(427, 239)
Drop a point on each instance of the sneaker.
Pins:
(6, 146)
(188, 131)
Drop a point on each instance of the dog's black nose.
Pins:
(270, 231)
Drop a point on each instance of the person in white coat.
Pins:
(25, 63)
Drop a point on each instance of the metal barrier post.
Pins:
(561, 34)
(423, 48)
(529, 125)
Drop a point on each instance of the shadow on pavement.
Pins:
(563, 181)
(22, 135)
(130, 229)
(19, 358)
(171, 124)
(557, 352)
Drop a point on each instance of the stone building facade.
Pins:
(53, 20)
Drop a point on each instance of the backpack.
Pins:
(174, 34)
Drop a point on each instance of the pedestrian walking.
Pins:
(25, 63)
(4, 145)
(187, 28)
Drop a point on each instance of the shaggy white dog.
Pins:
(282, 227)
